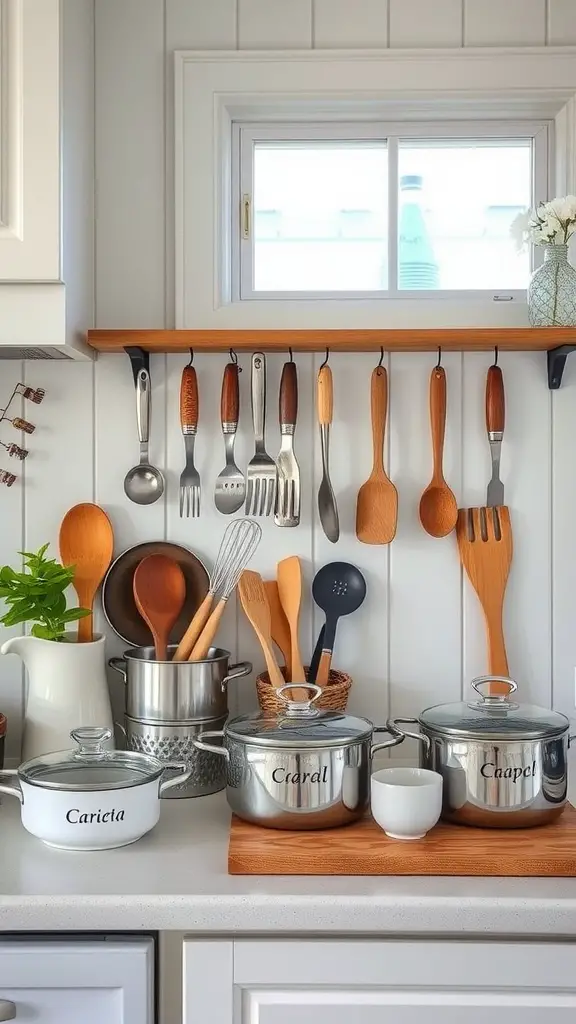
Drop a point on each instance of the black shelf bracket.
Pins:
(556, 362)
(139, 359)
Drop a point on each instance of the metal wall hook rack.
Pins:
(139, 360)
(556, 363)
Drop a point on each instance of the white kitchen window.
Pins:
(383, 210)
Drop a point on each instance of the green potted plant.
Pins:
(67, 685)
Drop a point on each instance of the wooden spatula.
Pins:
(377, 506)
(86, 542)
(289, 574)
(159, 591)
(255, 604)
(280, 629)
(485, 546)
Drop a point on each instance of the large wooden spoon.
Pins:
(87, 543)
(438, 507)
(159, 591)
(377, 506)
(289, 573)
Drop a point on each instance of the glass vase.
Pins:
(552, 290)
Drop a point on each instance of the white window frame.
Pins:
(246, 135)
(213, 90)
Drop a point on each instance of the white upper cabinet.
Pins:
(30, 133)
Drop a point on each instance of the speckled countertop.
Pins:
(176, 878)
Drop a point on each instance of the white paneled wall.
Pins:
(419, 637)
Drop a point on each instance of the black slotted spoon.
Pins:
(339, 588)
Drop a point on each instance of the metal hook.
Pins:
(191, 357)
(290, 354)
(234, 360)
(326, 358)
(381, 360)
(496, 355)
(439, 363)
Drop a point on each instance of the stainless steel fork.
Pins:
(261, 472)
(190, 478)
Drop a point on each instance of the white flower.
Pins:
(564, 209)
(519, 230)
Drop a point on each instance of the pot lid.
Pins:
(494, 717)
(300, 724)
(90, 766)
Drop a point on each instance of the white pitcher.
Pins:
(67, 688)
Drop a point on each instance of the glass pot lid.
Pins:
(494, 716)
(90, 766)
(300, 724)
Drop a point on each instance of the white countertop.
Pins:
(176, 878)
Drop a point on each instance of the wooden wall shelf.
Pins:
(511, 339)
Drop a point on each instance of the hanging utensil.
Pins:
(438, 506)
(143, 484)
(261, 473)
(230, 488)
(485, 545)
(327, 507)
(280, 629)
(240, 540)
(289, 575)
(159, 592)
(316, 655)
(495, 418)
(288, 488)
(253, 600)
(338, 589)
(189, 409)
(87, 543)
(377, 505)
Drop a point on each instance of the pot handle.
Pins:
(177, 780)
(243, 668)
(119, 665)
(392, 724)
(11, 790)
(211, 747)
(392, 742)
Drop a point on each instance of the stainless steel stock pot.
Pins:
(505, 765)
(302, 769)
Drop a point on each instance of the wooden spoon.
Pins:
(255, 604)
(377, 506)
(87, 543)
(280, 629)
(289, 574)
(159, 591)
(438, 506)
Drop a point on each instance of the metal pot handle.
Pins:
(11, 790)
(119, 665)
(392, 724)
(243, 668)
(211, 747)
(392, 742)
(178, 779)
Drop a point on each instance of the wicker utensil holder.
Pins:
(333, 698)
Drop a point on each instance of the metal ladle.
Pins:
(143, 483)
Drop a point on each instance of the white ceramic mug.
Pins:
(406, 802)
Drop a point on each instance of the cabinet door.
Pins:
(78, 981)
(30, 140)
(370, 982)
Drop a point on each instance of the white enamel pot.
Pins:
(91, 798)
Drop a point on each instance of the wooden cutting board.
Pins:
(364, 849)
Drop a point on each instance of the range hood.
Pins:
(37, 322)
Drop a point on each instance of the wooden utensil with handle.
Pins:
(289, 575)
(377, 505)
(159, 592)
(253, 600)
(280, 630)
(438, 506)
(87, 543)
(485, 546)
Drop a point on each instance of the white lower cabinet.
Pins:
(77, 981)
(372, 982)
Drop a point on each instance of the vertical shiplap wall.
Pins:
(419, 636)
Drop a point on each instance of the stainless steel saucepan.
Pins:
(504, 765)
(301, 769)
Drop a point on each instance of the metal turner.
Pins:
(261, 473)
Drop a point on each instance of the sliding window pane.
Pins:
(457, 200)
(320, 216)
